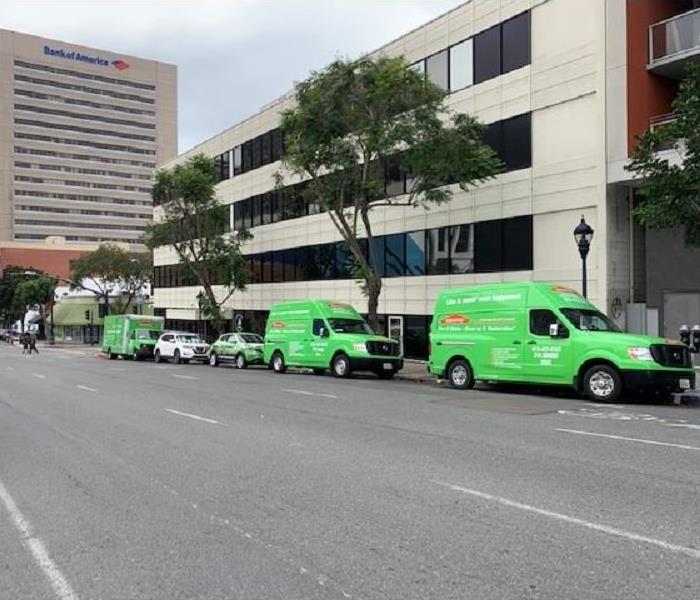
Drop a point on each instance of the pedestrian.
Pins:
(25, 342)
(32, 343)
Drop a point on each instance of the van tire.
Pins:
(340, 367)
(176, 357)
(135, 355)
(460, 375)
(602, 383)
(277, 362)
(214, 359)
(241, 362)
(157, 358)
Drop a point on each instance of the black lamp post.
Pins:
(583, 234)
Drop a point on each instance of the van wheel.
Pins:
(135, 355)
(602, 383)
(460, 375)
(176, 357)
(214, 359)
(157, 358)
(278, 365)
(341, 366)
(241, 362)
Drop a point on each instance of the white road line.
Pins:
(305, 393)
(629, 439)
(86, 388)
(185, 376)
(39, 375)
(686, 425)
(58, 582)
(195, 417)
(614, 531)
(10, 368)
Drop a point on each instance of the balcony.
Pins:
(674, 43)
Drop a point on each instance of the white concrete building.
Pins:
(557, 83)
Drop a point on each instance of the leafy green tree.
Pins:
(353, 121)
(671, 189)
(195, 225)
(109, 267)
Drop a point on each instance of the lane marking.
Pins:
(630, 439)
(116, 369)
(686, 425)
(185, 376)
(39, 375)
(86, 388)
(60, 585)
(195, 417)
(305, 393)
(614, 531)
(10, 368)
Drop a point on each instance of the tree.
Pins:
(111, 267)
(357, 119)
(671, 190)
(37, 291)
(194, 224)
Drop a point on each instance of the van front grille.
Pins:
(671, 356)
(383, 348)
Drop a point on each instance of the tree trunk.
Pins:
(374, 289)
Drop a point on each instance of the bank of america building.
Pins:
(555, 83)
(81, 132)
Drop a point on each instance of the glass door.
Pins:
(395, 327)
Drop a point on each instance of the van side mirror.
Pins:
(556, 330)
(324, 332)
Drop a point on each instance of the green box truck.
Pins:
(131, 336)
(323, 334)
(543, 333)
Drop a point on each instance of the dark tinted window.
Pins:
(318, 325)
(378, 249)
(266, 148)
(487, 54)
(257, 152)
(266, 208)
(394, 177)
(517, 142)
(493, 137)
(266, 259)
(276, 205)
(395, 255)
(436, 69)
(247, 156)
(540, 320)
(238, 216)
(277, 142)
(487, 246)
(462, 249)
(326, 261)
(515, 46)
(257, 210)
(517, 243)
(415, 253)
(437, 251)
(237, 160)
(294, 203)
(415, 341)
(277, 266)
(343, 261)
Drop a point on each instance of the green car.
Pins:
(543, 333)
(323, 334)
(242, 348)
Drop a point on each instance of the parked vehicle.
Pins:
(131, 336)
(542, 333)
(322, 334)
(242, 348)
(181, 348)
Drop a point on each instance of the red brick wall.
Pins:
(648, 95)
(53, 261)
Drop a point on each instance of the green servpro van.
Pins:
(543, 333)
(131, 336)
(324, 334)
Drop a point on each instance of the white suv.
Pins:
(181, 348)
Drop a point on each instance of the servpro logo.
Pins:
(338, 306)
(277, 325)
(560, 289)
(145, 323)
(455, 319)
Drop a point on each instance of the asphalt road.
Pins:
(123, 480)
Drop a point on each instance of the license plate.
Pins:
(388, 366)
(684, 384)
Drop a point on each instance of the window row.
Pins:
(82, 88)
(253, 154)
(88, 144)
(85, 117)
(511, 139)
(487, 246)
(64, 169)
(490, 53)
(82, 198)
(72, 225)
(85, 184)
(84, 157)
(81, 75)
(88, 130)
(81, 102)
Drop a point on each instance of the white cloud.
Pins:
(232, 56)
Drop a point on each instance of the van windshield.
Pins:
(147, 335)
(251, 338)
(189, 339)
(349, 326)
(587, 319)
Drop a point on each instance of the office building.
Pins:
(565, 86)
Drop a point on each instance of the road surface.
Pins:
(126, 480)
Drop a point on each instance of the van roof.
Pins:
(557, 294)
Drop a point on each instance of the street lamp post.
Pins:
(583, 234)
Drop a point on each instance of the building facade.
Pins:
(81, 131)
(558, 83)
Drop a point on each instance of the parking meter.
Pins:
(684, 332)
(695, 338)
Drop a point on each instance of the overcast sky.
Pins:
(233, 56)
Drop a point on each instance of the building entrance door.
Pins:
(680, 308)
(395, 327)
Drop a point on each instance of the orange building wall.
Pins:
(55, 262)
(648, 95)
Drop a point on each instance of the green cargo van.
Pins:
(542, 333)
(323, 334)
(131, 336)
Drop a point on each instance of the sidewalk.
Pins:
(416, 371)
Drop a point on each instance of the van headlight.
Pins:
(360, 347)
(640, 353)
